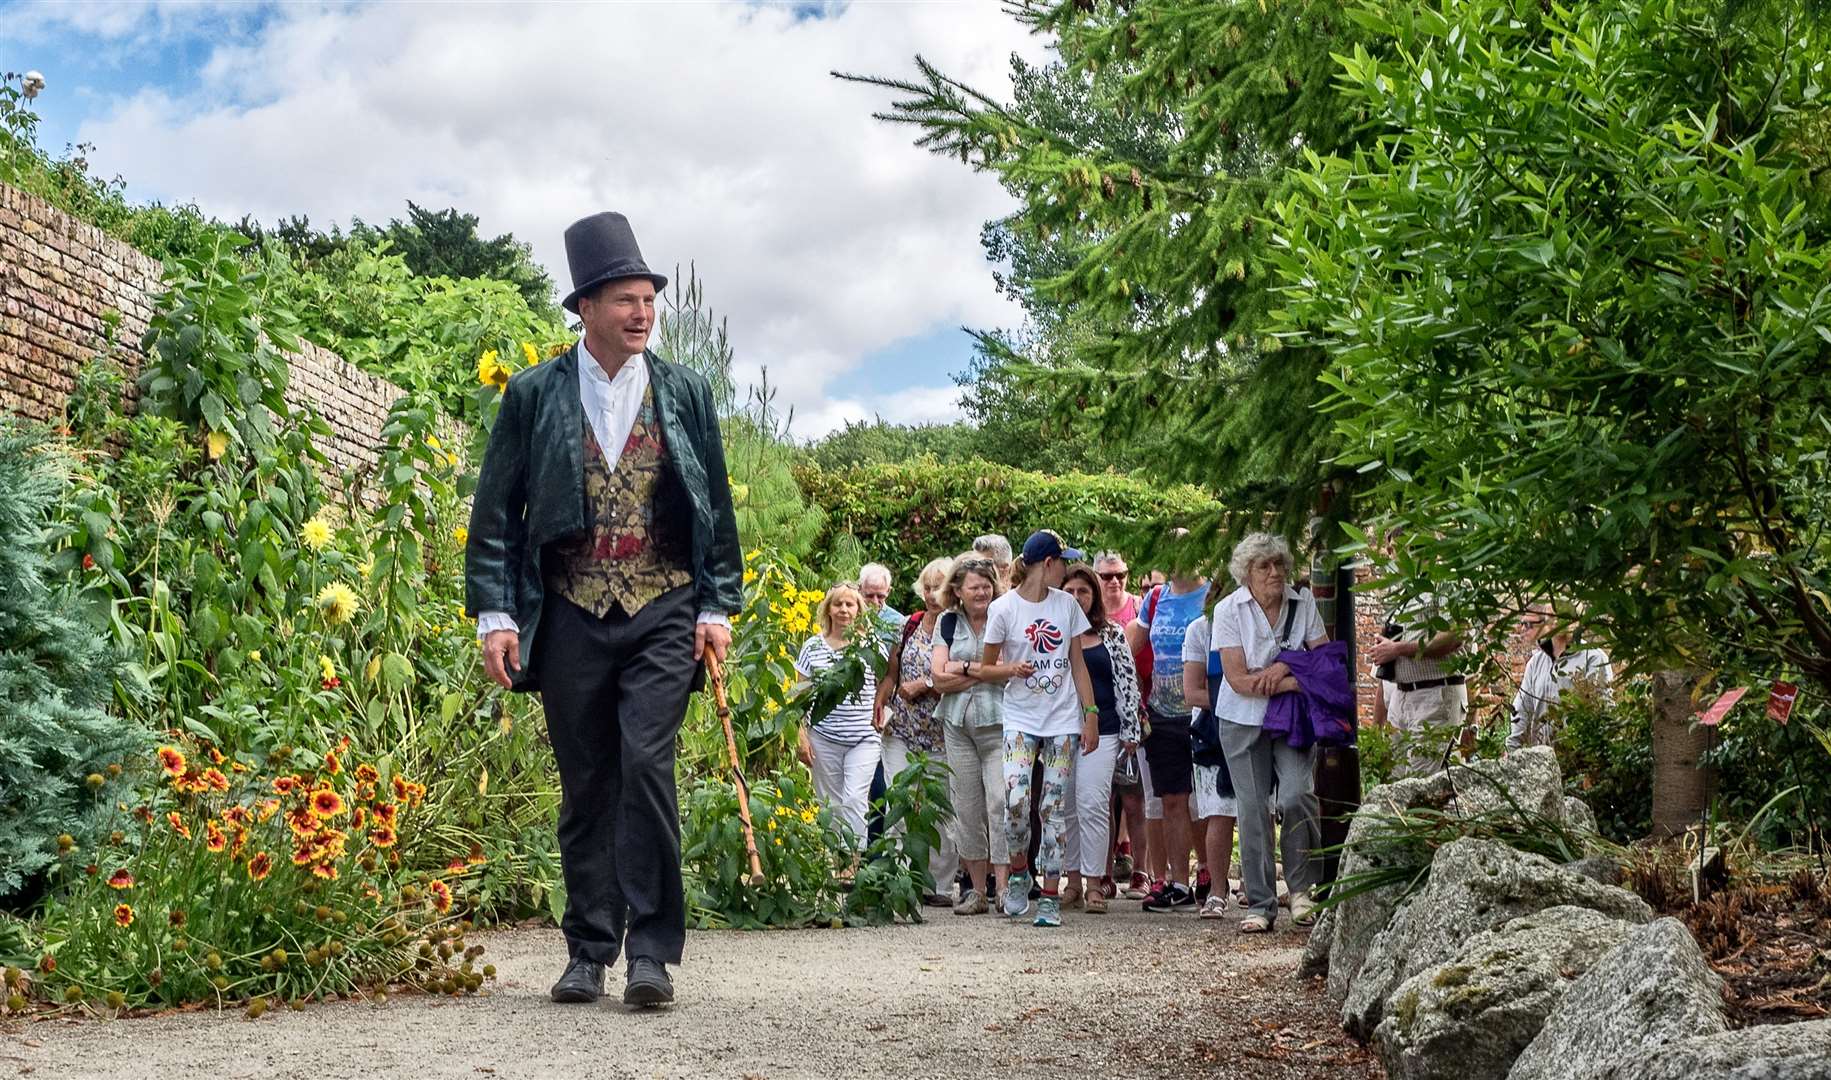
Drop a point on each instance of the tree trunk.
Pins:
(1681, 786)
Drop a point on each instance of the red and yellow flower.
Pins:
(365, 773)
(385, 813)
(260, 866)
(216, 780)
(326, 803)
(178, 825)
(121, 879)
(383, 836)
(332, 765)
(123, 915)
(213, 836)
(171, 761)
(286, 785)
(441, 896)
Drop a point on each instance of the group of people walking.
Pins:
(1095, 738)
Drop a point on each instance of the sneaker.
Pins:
(1174, 897)
(972, 903)
(1017, 895)
(1203, 885)
(1095, 903)
(1107, 889)
(1215, 907)
(1048, 911)
(1138, 889)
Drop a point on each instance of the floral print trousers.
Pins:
(1057, 755)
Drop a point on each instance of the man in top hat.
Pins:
(603, 563)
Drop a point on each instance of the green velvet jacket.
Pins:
(531, 491)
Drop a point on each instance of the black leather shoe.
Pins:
(582, 983)
(648, 984)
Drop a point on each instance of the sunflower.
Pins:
(316, 533)
(530, 353)
(338, 603)
(121, 879)
(326, 803)
(171, 761)
(441, 896)
(123, 915)
(178, 825)
(260, 866)
(213, 837)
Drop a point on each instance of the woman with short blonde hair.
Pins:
(842, 747)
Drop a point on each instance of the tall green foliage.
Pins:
(1577, 295)
(57, 740)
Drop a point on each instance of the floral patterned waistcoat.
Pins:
(634, 547)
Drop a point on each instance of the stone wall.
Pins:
(59, 277)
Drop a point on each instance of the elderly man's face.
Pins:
(1113, 578)
(876, 593)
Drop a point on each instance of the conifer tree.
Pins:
(56, 675)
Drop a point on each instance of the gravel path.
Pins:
(1124, 995)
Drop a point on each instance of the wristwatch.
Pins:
(928, 680)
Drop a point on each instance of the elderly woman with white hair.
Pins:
(1250, 627)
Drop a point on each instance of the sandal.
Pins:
(1255, 924)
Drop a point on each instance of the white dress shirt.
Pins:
(1544, 681)
(611, 406)
(1239, 623)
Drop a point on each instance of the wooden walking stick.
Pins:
(715, 671)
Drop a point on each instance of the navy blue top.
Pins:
(1100, 673)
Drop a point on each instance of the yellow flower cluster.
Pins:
(490, 372)
(316, 534)
(338, 603)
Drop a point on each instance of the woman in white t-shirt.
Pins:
(1251, 626)
(1033, 640)
(843, 745)
(1206, 803)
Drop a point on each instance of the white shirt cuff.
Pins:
(716, 618)
(488, 622)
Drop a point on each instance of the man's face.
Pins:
(876, 594)
(620, 316)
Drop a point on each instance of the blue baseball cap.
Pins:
(1045, 544)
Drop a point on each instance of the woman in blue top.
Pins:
(1165, 621)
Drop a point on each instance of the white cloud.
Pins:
(822, 234)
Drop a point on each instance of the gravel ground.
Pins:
(1122, 995)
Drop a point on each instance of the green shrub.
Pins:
(905, 514)
(1605, 748)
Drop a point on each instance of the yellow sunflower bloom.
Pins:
(490, 372)
(530, 352)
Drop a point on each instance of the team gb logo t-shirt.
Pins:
(1044, 702)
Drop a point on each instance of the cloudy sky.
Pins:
(846, 259)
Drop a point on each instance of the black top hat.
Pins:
(603, 248)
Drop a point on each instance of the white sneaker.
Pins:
(1302, 909)
(1215, 907)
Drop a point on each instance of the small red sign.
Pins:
(1780, 702)
(1719, 708)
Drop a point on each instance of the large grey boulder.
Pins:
(1360, 918)
(1316, 950)
(1474, 885)
(1652, 991)
(1579, 818)
(1774, 1052)
(1469, 1018)
(1525, 784)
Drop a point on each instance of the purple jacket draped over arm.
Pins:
(1322, 708)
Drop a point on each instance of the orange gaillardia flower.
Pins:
(382, 836)
(123, 915)
(366, 773)
(385, 813)
(171, 761)
(260, 865)
(285, 785)
(121, 879)
(213, 836)
(326, 803)
(300, 820)
(331, 764)
(441, 896)
(475, 858)
(216, 779)
(178, 825)
(327, 871)
(455, 866)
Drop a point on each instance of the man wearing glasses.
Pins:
(1119, 605)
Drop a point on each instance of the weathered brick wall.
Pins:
(1370, 608)
(58, 278)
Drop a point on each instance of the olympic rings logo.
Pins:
(1044, 684)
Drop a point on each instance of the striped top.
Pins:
(850, 720)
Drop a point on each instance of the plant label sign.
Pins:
(1719, 708)
(1780, 702)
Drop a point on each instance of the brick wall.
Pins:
(59, 276)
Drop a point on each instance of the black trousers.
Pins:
(615, 691)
